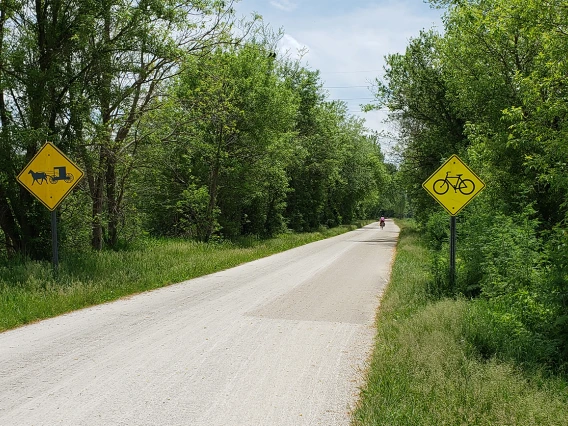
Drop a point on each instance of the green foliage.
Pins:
(338, 171)
(73, 219)
(230, 123)
(435, 362)
(83, 75)
(184, 122)
(437, 230)
(191, 212)
(431, 127)
(256, 138)
(510, 255)
(29, 290)
(492, 89)
(393, 197)
(495, 328)
(557, 285)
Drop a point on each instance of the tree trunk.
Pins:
(213, 188)
(97, 213)
(7, 224)
(100, 172)
(13, 240)
(112, 207)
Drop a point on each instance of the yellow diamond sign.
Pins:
(50, 176)
(453, 185)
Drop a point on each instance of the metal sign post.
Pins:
(453, 185)
(452, 250)
(54, 247)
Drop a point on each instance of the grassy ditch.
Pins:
(425, 370)
(30, 291)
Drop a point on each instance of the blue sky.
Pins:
(347, 40)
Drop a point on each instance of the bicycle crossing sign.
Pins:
(50, 176)
(453, 185)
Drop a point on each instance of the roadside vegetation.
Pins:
(491, 88)
(430, 367)
(31, 291)
(187, 120)
(196, 134)
(490, 348)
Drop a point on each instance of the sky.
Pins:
(347, 40)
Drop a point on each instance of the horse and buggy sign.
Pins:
(59, 173)
(50, 176)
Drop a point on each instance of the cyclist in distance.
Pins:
(382, 222)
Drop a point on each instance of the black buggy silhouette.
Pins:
(59, 173)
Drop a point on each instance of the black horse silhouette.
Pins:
(38, 177)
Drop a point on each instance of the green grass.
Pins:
(30, 291)
(425, 370)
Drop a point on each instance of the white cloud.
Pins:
(349, 50)
(360, 40)
(285, 5)
(347, 41)
(289, 46)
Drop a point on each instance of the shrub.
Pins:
(437, 230)
(495, 328)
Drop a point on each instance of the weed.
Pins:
(30, 291)
(427, 368)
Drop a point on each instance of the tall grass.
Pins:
(30, 291)
(427, 370)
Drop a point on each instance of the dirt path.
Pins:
(279, 341)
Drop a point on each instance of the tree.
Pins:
(236, 119)
(139, 49)
(431, 125)
(83, 74)
(488, 47)
(492, 89)
(37, 39)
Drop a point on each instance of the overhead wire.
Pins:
(344, 87)
(349, 99)
(367, 86)
(348, 72)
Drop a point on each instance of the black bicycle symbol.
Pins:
(465, 186)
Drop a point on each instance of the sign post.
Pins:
(50, 176)
(453, 185)
(453, 238)
(54, 248)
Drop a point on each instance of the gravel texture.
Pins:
(279, 341)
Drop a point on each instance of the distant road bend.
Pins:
(281, 341)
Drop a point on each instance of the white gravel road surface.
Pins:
(282, 341)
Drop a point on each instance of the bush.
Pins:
(557, 280)
(495, 329)
(441, 363)
(522, 283)
(439, 286)
(437, 230)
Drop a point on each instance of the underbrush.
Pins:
(30, 291)
(517, 278)
(435, 360)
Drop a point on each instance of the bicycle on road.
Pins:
(465, 186)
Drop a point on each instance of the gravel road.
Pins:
(279, 341)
